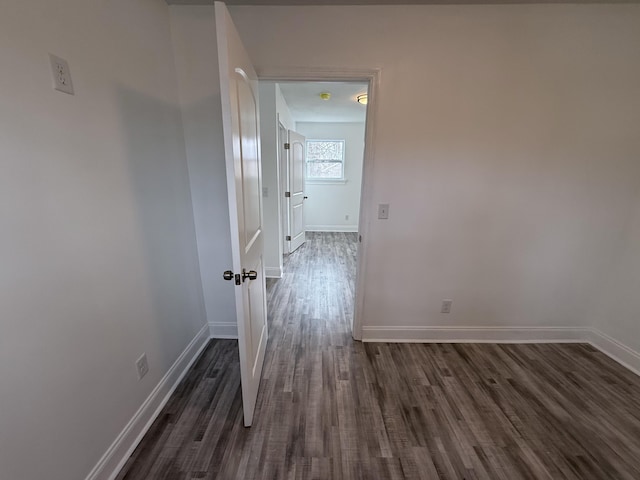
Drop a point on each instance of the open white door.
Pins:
(296, 149)
(239, 94)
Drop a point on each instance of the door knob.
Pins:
(251, 275)
(229, 275)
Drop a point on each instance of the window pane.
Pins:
(324, 170)
(324, 150)
(325, 159)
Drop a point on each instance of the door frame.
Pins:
(371, 76)
(283, 182)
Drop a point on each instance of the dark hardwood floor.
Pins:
(332, 408)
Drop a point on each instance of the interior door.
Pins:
(283, 160)
(240, 119)
(296, 190)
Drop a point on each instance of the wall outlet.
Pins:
(446, 306)
(61, 74)
(383, 211)
(142, 366)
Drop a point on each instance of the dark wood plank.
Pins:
(332, 408)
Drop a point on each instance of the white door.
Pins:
(283, 160)
(296, 190)
(239, 94)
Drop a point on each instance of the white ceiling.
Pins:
(305, 104)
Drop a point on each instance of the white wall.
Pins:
(329, 203)
(194, 45)
(270, 178)
(286, 119)
(282, 110)
(506, 143)
(616, 304)
(273, 110)
(98, 248)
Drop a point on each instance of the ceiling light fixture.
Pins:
(362, 99)
(325, 96)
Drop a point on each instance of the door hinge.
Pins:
(360, 238)
(287, 194)
(288, 238)
(287, 146)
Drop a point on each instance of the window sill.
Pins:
(326, 182)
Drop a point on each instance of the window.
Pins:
(325, 159)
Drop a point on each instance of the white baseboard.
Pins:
(121, 449)
(331, 228)
(474, 334)
(615, 349)
(224, 330)
(273, 272)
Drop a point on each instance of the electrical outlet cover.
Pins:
(446, 306)
(142, 366)
(61, 74)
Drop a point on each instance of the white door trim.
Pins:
(283, 183)
(372, 77)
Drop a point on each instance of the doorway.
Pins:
(332, 118)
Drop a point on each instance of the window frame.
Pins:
(320, 180)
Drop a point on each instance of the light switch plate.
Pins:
(61, 74)
(383, 211)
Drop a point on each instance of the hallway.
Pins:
(331, 408)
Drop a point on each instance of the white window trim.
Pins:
(325, 181)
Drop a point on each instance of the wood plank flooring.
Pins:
(331, 408)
